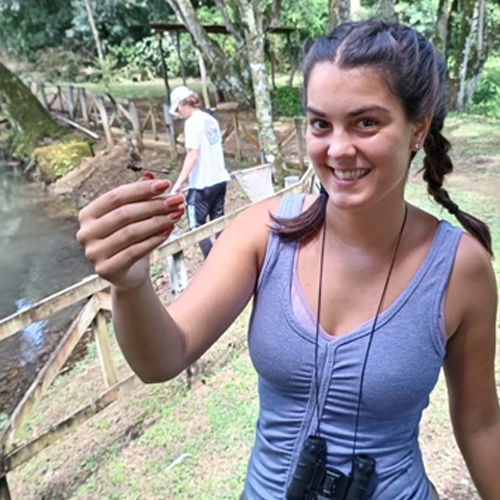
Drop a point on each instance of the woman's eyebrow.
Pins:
(356, 112)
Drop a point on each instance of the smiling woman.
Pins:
(357, 295)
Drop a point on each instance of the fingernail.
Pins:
(176, 214)
(167, 231)
(160, 186)
(147, 176)
(171, 201)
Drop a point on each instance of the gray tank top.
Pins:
(403, 367)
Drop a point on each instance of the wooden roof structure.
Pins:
(213, 28)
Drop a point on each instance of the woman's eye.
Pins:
(319, 124)
(367, 122)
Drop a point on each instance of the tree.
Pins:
(225, 74)
(26, 113)
(340, 11)
(387, 10)
(95, 33)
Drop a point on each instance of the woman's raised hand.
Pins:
(120, 228)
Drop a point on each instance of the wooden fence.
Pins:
(89, 112)
(92, 289)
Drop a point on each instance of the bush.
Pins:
(486, 100)
(287, 102)
(56, 65)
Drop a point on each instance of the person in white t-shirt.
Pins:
(204, 165)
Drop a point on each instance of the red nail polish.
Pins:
(160, 186)
(176, 214)
(147, 176)
(174, 200)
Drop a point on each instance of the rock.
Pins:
(57, 160)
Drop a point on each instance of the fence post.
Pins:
(71, 103)
(153, 121)
(177, 272)
(136, 125)
(170, 131)
(61, 102)
(105, 121)
(83, 103)
(237, 135)
(4, 489)
(43, 96)
(300, 142)
(104, 349)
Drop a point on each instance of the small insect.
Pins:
(136, 167)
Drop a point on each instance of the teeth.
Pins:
(350, 174)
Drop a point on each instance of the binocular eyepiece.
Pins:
(313, 481)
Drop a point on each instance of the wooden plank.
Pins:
(50, 371)
(289, 135)
(146, 121)
(104, 120)
(85, 107)
(136, 125)
(153, 122)
(250, 137)
(104, 301)
(50, 305)
(104, 350)
(236, 126)
(43, 96)
(71, 102)
(25, 453)
(227, 132)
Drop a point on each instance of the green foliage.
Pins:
(486, 100)
(57, 65)
(286, 101)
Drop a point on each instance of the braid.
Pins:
(437, 164)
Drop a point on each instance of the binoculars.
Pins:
(313, 481)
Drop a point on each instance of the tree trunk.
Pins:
(469, 29)
(387, 11)
(255, 37)
(340, 11)
(95, 33)
(223, 73)
(355, 10)
(26, 112)
(441, 39)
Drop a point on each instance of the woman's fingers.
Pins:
(126, 215)
(123, 195)
(131, 234)
(114, 268)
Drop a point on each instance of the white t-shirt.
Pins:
(202, 133)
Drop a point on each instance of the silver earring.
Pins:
(418, 144)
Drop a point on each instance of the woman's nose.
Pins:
(341, 145)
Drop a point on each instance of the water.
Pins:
(39, 256)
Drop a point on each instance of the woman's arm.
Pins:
(121, 228)
(470, 367)
(159, 343)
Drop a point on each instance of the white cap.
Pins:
(177, 96)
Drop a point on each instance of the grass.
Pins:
(167, 442)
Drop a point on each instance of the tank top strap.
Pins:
(290, 206)
(437, 269)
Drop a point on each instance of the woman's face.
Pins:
(358, 137)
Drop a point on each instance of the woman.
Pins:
(358, 295)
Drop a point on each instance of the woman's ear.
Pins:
(420, 130)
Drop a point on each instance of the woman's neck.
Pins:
(375, 228)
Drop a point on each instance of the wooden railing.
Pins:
(89, 112)
(92, 289)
